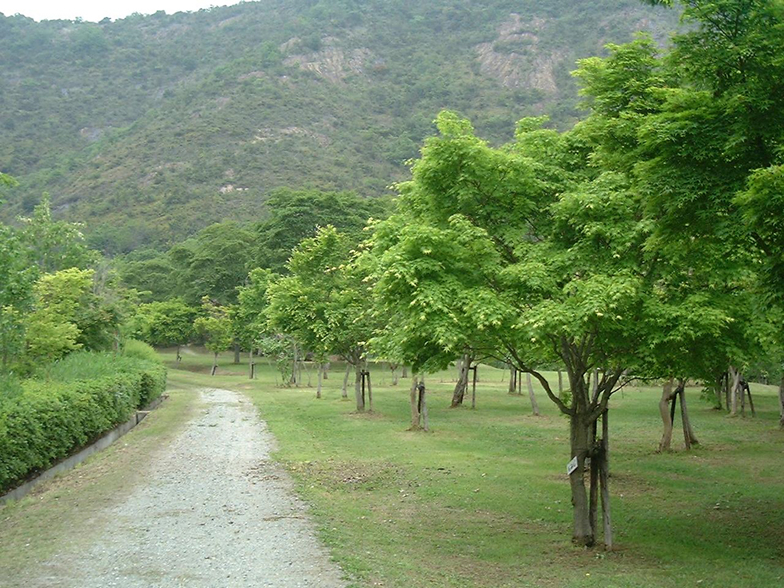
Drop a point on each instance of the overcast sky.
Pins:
(95, 10)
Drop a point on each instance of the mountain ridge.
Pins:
(149, 128)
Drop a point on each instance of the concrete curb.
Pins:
(71, 462)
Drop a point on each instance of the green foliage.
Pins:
(52, 331)
(16, 295)
(89, 394)
(140, 350)
(215, 329)
(295, 215)
(251, 313)
(219, 262)
(54, 245)
(324, 303)
(6, 181)
(164, 324)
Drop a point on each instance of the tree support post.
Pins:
(419, 417)
(366, 378)
(781, 402)
(473, 388)
(532, 396)
(604, 481)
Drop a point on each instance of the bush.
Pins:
(87, 395)
(140, 350)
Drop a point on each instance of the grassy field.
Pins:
(483, 500)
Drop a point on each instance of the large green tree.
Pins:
(711, 156)
(542, 253)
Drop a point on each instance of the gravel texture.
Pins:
(214, 512)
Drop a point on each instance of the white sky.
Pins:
(95, 10)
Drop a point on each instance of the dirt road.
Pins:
(213, 511)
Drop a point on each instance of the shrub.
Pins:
(87, 394)
(140, 350)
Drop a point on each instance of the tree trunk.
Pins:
(664, 410)
(531, 396)
(326, 370)
(512, 380)
(236, 353)
(393, 369)
(320, 379)
(742, 392)
(345, 381)
(178, 359)
(358, 392)
(414, 397)
(688, 433)
(462, 381)
(726, 388)
(580, 431)
(560, 383)
(404, 375)
(781, 402)
(251, 365)
(719, 392)
(295, 353)
(734, 385)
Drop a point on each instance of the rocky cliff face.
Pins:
(516, 57)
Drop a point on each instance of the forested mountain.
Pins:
(151, 127)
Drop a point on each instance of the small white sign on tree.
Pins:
(571, 466)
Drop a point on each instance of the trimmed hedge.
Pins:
(49, 420)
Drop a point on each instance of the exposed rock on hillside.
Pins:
(516, 58)
(331, 62)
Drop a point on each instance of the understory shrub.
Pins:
(84, 395)
(140, 350)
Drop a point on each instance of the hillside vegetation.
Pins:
(151, 127)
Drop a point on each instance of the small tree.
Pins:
(324, 302)
(165, 324)
(54, 245)
(215, 329)
(52, 329)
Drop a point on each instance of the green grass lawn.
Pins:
(483, 500)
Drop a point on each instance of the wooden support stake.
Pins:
(593, 504)
(423, 406)
(473, 389)
(370, 392)
(604, 480)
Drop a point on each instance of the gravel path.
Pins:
(215, 512)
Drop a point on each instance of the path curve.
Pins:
(214, 512)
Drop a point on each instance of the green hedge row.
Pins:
(50, 419)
